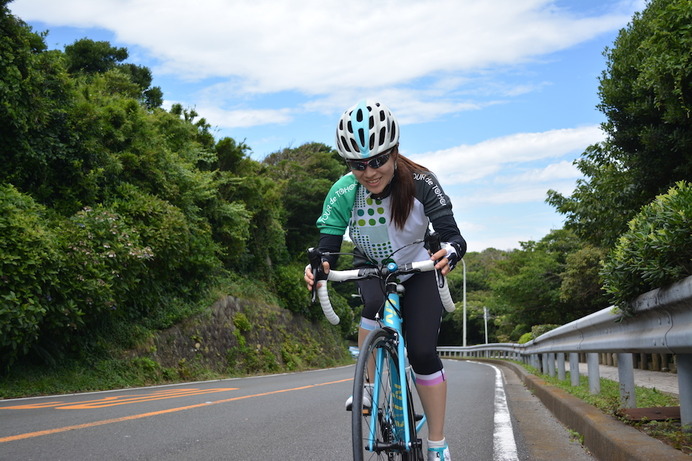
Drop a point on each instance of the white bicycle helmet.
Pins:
(365, 130)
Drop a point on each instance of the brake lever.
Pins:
(315, 257)
(434, 244)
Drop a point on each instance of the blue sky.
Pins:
(497, 97)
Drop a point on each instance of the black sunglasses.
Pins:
(374, 163)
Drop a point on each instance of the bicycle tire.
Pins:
(384, 445)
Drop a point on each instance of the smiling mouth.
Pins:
(373, 181)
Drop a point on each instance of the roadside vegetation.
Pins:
(608, 401)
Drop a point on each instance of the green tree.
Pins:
(480, 268)
(91, 57)
(230, 155)
(35, 99)
(646, 95)
(152, 97)
(527, 283)
(306, 174)
(581, 282)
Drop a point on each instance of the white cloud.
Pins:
(319, 46)
(242, 118)
(552, 172)
(468, 163)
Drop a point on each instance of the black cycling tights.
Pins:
(422, 312)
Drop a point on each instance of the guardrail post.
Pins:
(561, 366)
(594, 373)
(574, 368)
(626, 379)
(685, 389)
(544, 363)
(551, 364)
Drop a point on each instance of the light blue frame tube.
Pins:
(393, 320)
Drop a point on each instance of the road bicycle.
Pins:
(384, 422)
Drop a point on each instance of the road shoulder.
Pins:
(604, 436)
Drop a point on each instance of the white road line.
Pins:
(504, 445)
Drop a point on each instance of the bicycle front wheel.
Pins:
(377, 429)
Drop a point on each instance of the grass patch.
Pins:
(608, 401)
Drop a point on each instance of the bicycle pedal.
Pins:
(366, 410)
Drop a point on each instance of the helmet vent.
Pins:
(355, 145)
(344, 143)
(361, 136)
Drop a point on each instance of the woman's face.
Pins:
(376, 179)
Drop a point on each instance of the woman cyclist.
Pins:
(387, 202)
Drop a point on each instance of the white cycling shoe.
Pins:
(366, 402)
(439, 454)
(367, 392)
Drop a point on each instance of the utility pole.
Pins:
(485, 317)
(464, 325)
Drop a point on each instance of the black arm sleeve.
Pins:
(332, 244)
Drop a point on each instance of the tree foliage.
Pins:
(528, 282)
(655, 251)
(115, 212)
(28, 268)
(306, 174)
(35, 100)
(646, 95)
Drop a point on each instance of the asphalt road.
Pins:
(298, 416)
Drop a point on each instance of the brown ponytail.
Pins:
(404, 189)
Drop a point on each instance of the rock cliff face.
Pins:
(239, 336)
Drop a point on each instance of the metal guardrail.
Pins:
(662, 323)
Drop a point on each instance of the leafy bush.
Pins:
(29, 261)
(290, 288)
(183, 257)
(655, 251)
(525, 338)
(293, 295)
(104, 261)
(538, 330)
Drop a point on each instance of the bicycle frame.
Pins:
(391, 319)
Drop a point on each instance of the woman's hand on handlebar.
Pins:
(442, 263)
(310, 278)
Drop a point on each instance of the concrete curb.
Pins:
(605, 437)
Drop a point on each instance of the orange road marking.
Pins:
(118, 400)
(29, 435)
